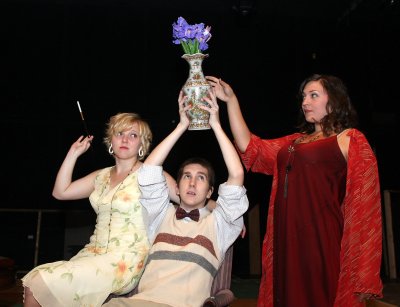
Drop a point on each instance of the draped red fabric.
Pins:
(361, 246)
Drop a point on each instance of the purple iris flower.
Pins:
(193, 38)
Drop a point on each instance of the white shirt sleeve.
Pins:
(154, 197)
(232, 203)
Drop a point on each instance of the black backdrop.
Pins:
(118, 56)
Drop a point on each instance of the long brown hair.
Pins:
(340, 111)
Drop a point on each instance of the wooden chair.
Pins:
(221, 294)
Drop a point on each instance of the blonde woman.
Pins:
(113, 260)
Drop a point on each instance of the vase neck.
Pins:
(195, 62)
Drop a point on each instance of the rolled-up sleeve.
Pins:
(232, 203)
(154, 196)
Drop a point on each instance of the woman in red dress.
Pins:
(324, 230)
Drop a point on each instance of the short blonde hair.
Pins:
(121, 122)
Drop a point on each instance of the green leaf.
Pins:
(196, 45)
(185, 47)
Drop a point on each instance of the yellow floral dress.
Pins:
(113, 260)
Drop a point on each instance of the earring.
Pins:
(110, 150)
(141, 153)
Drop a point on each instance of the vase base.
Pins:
(199, 126)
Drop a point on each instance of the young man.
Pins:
(191, 241)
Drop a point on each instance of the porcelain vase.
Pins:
(195, 87)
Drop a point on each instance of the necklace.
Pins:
(118, 179)
(309, 137)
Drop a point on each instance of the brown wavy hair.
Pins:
(341, 114)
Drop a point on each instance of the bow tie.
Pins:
(194, 214)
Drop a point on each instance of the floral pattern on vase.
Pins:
(195, 88)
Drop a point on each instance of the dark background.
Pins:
(117, 56)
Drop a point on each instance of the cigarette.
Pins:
(83, 119)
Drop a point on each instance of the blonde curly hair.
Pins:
(123, 121)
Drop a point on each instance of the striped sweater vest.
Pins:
(182, 263)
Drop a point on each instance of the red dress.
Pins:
(354, 220)
(308, 223)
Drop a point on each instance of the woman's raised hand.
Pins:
(81, 145)
(223, 90)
